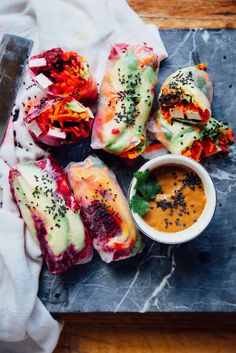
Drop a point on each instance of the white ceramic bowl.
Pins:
(208, 211)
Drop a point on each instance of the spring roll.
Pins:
(49, 209)
(126, 99)
(192, 141)
(186, 95)
(59, 121)
(63, 74)
(104, 209)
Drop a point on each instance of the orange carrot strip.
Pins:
(230, 135)
(201, 67)
(153, 147)
(132, 154)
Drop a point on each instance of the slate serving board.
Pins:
(196, 276)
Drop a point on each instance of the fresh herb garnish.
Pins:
(213, 130)
(139, 205)
(146, 189)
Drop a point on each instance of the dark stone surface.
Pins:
(196, 276)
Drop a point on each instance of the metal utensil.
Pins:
(14, 51)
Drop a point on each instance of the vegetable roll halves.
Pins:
(192, 141)
(186, 95)
(63, 73)
(126, 98)
(59, 121)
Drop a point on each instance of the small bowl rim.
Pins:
(206, 216)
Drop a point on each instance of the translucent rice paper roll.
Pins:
(186, 95)
(189, 140)
(104, 209)
(126, 98)
(49, 209)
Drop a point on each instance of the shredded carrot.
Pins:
(201, 67)
(230, 135)
(68, 120)
(57, 108)
(153, 147)
(196, 150)
(132, 154)
(207, 147)
(165, 88)
(187, 153)
(110, 109)
(147, 61)
(223, 143)
(197, 128)
(72, 77)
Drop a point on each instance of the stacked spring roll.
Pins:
(48, 207)
(59, 121)
(183, 123)
(126, 99)
(104, 209)
(61, 74)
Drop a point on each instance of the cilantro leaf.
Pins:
(141, 178)
(149, 190)
(138, 244)
(213, 130)
(146, 189)
(139, 205)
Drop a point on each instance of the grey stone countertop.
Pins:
(198, 276)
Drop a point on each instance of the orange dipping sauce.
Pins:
(181, 201)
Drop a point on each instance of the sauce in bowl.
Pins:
(181, 201)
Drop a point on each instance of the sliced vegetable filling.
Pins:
(192, 140)
(60, 121)
(62, 74)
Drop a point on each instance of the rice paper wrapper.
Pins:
(187, 139)
(105, 210)
(49, 209)
(126, 98)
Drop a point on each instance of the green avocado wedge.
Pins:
(51, 213)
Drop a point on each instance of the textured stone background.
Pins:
(196, 276)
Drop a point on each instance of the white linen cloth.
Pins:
(89, 27)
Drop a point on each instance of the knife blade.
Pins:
(14, 52)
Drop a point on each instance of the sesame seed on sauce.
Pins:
(179, 205)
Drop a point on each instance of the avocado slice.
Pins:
(175, 136)
(133, 109)
(45, 211)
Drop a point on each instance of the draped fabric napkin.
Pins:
(89, 27)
